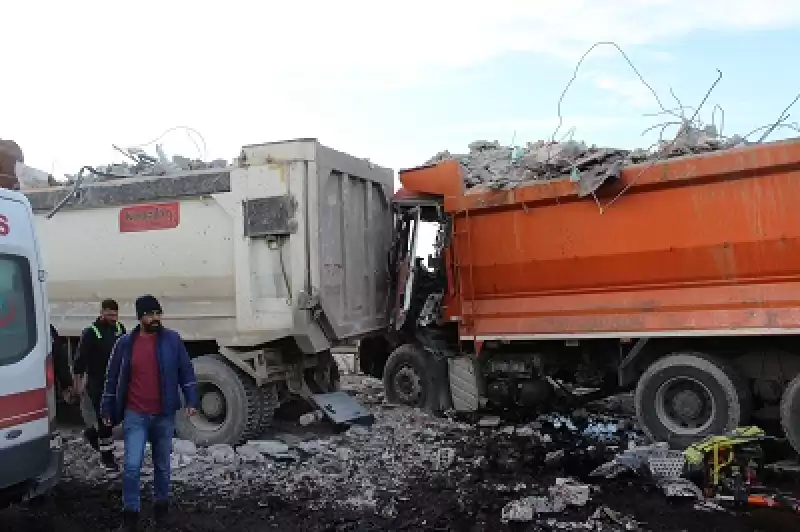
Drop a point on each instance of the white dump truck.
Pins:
(262, 267)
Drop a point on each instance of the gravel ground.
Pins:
(409, 471)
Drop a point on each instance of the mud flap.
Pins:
(440, 400)
(342, 409)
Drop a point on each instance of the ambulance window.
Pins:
(17, 311)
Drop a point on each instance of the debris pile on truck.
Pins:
(493, 165)
(143, 164)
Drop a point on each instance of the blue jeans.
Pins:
(139, 428)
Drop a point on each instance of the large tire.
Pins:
(408, 379)
(790, 413)
(270, 401)
(230, 409)
(684, 397)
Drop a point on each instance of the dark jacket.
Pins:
(175, 372)
(60, 359)
(94, 352)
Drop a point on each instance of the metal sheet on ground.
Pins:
(342, 409)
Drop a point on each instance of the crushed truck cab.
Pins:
(686, 289)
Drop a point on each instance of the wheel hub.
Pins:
(407, 384)
(685, 406)
(212, 404)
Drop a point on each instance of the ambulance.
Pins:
(31, 456)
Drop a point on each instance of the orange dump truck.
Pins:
(686, 289)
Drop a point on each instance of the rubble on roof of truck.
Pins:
(146, 165)
(494, 166)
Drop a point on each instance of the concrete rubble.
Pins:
(141, 164)
(495, 166)
(413, 471)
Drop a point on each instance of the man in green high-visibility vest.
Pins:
(94, 350)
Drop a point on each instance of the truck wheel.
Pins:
(407, 379)
(790, 412)
(270, 402)
(684, 397)
(230, 405)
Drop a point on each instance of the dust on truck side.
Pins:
(262, 267)
(687, 289)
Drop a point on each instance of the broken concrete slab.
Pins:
(272, 448)
(184, 447)
(250, 454)
(489, 422)
(222, 453)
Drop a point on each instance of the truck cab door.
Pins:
(402, 265)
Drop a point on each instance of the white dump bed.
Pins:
(292, 241)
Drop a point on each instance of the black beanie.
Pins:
(146, 304)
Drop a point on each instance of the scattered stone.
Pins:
(489, 422)
(179, 461)
(276, 450)
(554, 457)
(444, 458)
(525, 509)
(572, 493)
(250, 454)
(310, 418)
(184, 447)
(222, 453)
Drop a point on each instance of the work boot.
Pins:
(109, 463)
(161, 513)
(130, 521)
(90, 435)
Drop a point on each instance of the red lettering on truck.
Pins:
(149, 217)
(5, 228)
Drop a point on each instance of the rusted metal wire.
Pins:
(783, 117)
(662, 154)
(575, 75)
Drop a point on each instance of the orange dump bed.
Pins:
(699, 245)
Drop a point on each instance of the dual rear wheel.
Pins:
(684, 397)
(232, 408)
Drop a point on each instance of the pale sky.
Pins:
(394, 82)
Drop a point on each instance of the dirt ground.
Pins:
(387, 480)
